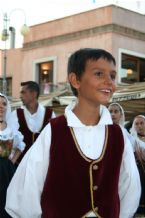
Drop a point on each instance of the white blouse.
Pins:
(9, 133)
(6, 134)
(24, 191)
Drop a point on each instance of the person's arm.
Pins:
(15, 155)
(129, 182)
(24, 192)
(13, 123)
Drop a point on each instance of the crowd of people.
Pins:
(83, 163)
(137, 139)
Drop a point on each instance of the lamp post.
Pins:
(7, 29)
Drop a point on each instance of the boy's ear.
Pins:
(74, 81)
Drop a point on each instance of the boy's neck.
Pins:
(89, 116)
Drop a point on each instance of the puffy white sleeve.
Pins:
(14, 118)
(24, 191)
(131, 139)
(129, 182)
(17, 135)
(18, 141)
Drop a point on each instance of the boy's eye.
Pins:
(99, 73)
(113, 76)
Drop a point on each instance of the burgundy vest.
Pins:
(30, 137)
(75, 184)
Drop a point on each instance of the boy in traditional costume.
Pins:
(81, 165)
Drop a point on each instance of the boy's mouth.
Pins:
(106, 90)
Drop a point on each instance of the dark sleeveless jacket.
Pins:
(30, 137)
(76, 184)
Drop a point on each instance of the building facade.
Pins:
(46, 49)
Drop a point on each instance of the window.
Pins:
(44, 72)
(46, 77)
(8, 86)
(132, 69)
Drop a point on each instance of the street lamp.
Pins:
(9, 30)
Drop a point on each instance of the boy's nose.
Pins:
(108, 79)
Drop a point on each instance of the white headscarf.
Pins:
(8, 109)
(133, 130)
(122, 119)
(12, 125)
(140, 145)
(9, 118)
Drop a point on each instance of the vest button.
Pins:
(96, 209)
(95, 167)
(95, 187)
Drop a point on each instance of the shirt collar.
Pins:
(39, 109)
(73, 120)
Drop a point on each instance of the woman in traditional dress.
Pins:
(138, 131)
(118, 117)
(11, 146)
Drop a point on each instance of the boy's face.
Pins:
(97, 83)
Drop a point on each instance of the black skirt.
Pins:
(7, 170)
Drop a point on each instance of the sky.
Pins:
(39, 11)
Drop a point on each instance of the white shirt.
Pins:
(24, 191)
(34, 121)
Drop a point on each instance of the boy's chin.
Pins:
(105, 102)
